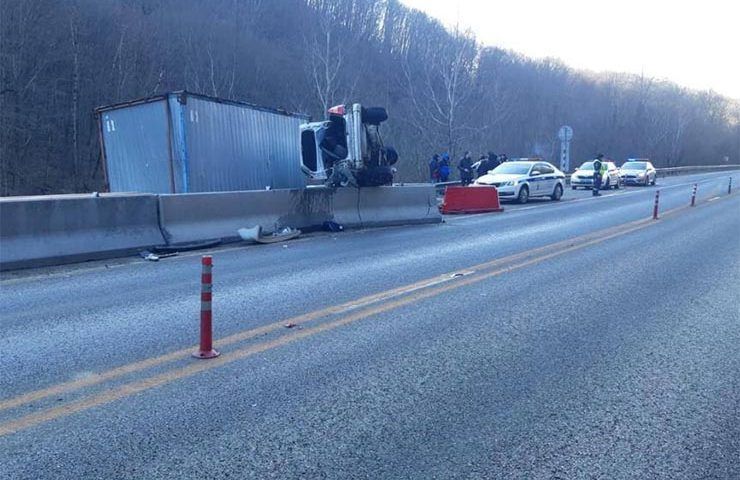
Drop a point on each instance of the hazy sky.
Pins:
(695, 43)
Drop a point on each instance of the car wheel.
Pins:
(523, 194)
(607, 185)
(647, 181)
(655, 179)
(618, 185)
(574, 188)
(557, 194)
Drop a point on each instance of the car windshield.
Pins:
(587, 166)
(512, 169)
(634, 166)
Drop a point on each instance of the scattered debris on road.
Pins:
(254, 234)
(330, 226)
(154, 257)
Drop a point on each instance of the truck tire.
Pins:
(375, 176)
(374, 115)
(391, 155)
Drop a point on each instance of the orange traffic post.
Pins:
(206, 317)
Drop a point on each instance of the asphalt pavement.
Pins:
(572, 339)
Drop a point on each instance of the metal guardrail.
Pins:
(695, 169)
(662, 172)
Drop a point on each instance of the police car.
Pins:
(584, 176)
(521, 179)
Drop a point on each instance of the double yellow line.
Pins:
(328, 319)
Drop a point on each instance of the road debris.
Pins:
(254, 234)
(330, 226)
(154, 257)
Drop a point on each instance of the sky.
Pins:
(695, 43)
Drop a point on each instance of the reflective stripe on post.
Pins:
(206, 315)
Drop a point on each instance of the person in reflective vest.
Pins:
(599, 168)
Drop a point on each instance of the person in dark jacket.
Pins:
(444, 167)
(503, 158)
(493, 161)
(598, 164)
(465, 166)
(434, 169)
(481, 166)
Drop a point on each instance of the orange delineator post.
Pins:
(471, 200)
(206, 319)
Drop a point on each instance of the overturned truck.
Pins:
(347, 149)
(181, 142)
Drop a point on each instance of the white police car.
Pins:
(521, 179)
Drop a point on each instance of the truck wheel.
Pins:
(375, 176)
(374, 115)
(391, 155)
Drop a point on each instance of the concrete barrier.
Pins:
(194, 217)
(187, 218)
(51, 230)
(57, 229)
(407, 205)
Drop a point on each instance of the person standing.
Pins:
(481, 166)
(444, 167)
(465, 166)
(598, 166)
(493, 161)
(434, 169)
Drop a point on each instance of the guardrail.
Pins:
(662, 172)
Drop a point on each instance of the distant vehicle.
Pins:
(347, 149)
(638, 172)
(584, 176)
(522, 179)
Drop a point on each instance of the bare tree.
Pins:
(441, 84)
(59, 60)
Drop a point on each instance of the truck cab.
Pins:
(347, 149)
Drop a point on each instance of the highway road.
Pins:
(577, 339)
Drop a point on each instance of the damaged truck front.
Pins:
(347, 149)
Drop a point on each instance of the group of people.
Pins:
(440, 168)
